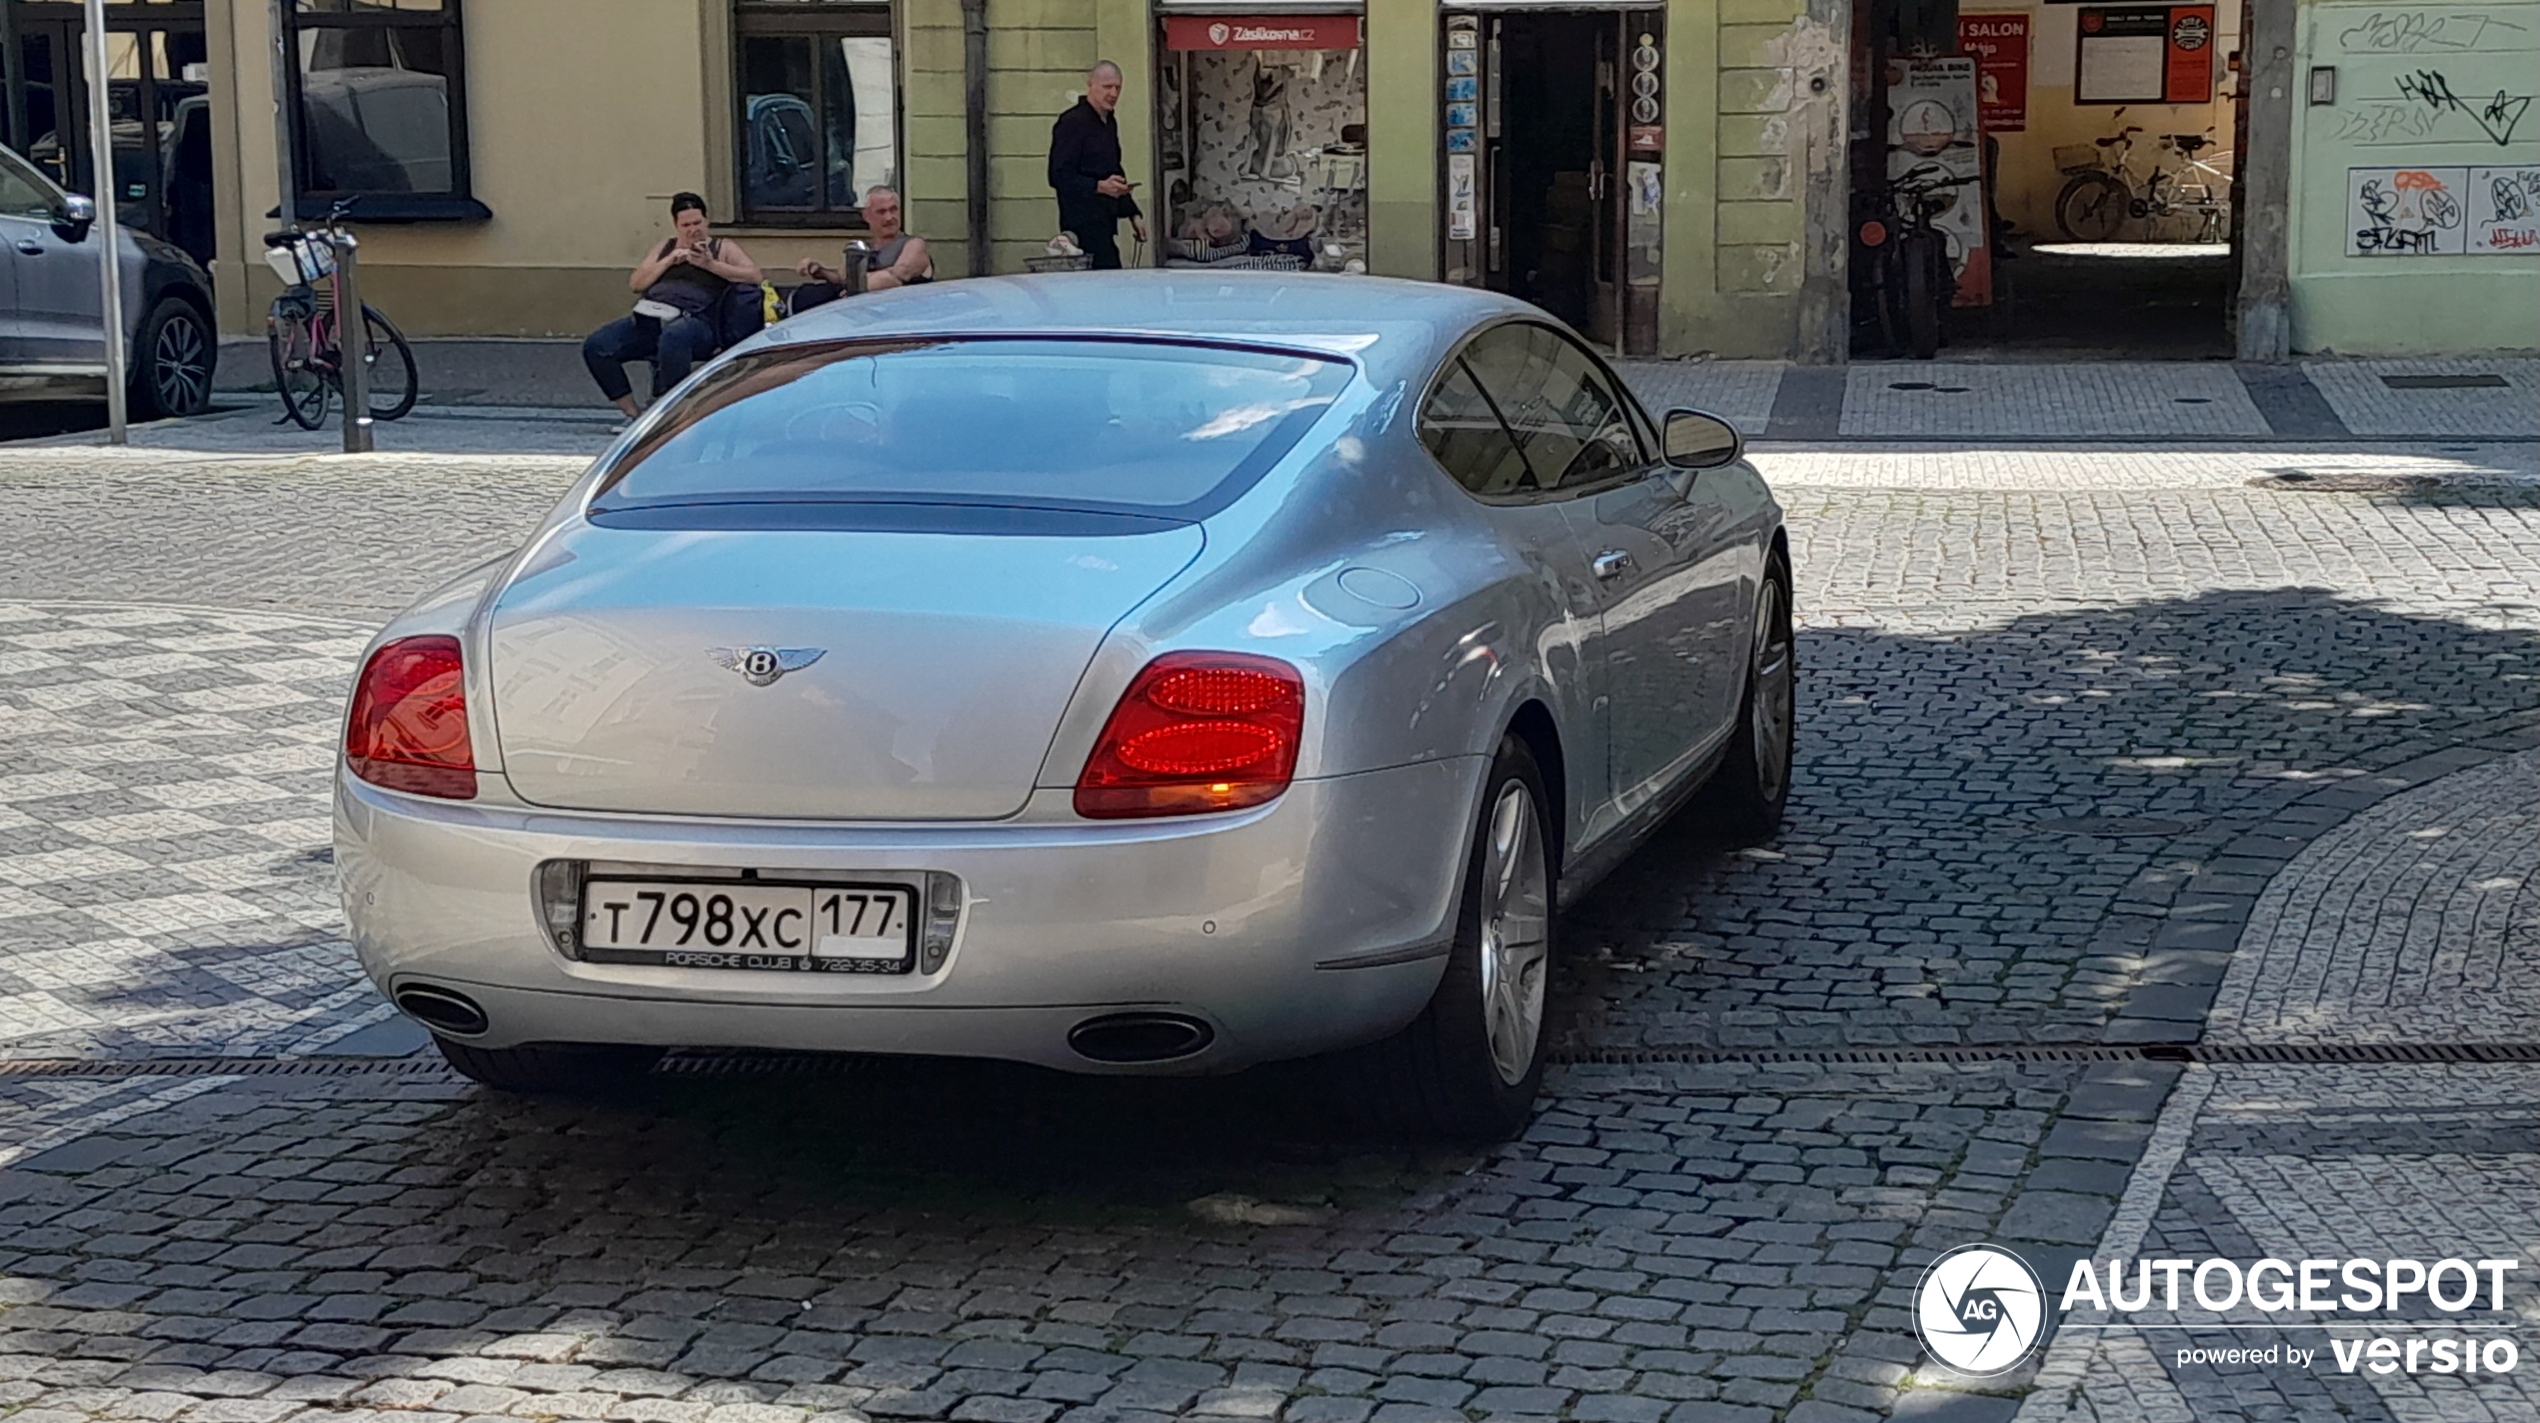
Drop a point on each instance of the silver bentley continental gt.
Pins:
(1116, 672)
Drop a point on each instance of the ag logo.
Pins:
(1217, 33)
(2191, 32)
(1979, 1309)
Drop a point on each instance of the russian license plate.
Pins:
(750, 924)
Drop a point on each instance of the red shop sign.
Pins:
(2189, 76)
(1261, 32)
(1999, 46)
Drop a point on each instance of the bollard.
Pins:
(352, 343)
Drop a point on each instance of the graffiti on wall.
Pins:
(2504, 209)
(2405, 212)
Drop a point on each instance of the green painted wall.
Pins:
(2387, 58)
(1402, 138)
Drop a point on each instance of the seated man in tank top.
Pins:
(899, 259)
(681, 286)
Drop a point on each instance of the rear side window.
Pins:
(1460, 428)
(1568, 420)
(1129, 427)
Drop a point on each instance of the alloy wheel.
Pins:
(1516, 940)
(1775, 695)
(177, 368)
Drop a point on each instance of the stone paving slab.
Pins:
(165, 881)
(2319, 1162)
(1740, 392)
(2293, 470)
(1952, 400)
(2361, 393)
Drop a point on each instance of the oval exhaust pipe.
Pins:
(1139, 1037)
(442, 1010)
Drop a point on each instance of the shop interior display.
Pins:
(1265, 159)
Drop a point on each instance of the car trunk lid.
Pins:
(826, 675)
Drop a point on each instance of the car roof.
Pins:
(1397, 329)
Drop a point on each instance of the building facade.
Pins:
(1680, 177)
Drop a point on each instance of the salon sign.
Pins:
(1206, 32)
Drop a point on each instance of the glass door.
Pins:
(158, 99)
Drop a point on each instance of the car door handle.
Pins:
(1611, 564)
(30, 247)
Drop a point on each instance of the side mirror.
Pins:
(1698, 441)
(77, 217)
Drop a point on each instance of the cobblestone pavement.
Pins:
(2073, 759)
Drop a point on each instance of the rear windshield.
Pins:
(1100, 426)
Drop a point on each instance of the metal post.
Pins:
(101, 157)
(352, 344)
(286, 203)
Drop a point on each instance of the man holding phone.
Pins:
(1093, 186)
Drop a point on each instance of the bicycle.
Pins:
(2102, 195)
(302, 332)
(1911, 279)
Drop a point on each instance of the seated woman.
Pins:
(676, 324)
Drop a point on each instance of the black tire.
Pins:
(172, 370)
(1921, 259)
(392, 366)
(1747, 793)
(552, 1069)
(2092, 208)
(1889, 299)
(1439, 1077)
(297, 378)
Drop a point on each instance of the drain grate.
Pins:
(2484, 380)
(811, 1064)
(2114, 825)
(2317, 1053)
(219, 1066)
(2345, 483)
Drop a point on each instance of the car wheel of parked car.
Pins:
(173, 375)
(1469, 1066)
(1746, 795)
(552, 1069)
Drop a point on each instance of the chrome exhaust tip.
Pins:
(1139, 1037)
(442, 1010)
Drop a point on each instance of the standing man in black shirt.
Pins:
(1085, 168)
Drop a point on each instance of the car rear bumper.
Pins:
(1312, 923)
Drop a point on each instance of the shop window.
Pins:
(381, 108)
(1263, 127)
(818, 96)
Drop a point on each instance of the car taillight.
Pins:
(1196, 731)
(408, 728)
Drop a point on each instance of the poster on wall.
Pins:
(2406, 212)
(2145, 54)
(2124, 56)
(2188, 76)
(1999, 46)
(2504, 210)
(1931, 107)
(1460, 198)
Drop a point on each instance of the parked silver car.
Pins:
(52, 340)
(1132, 672)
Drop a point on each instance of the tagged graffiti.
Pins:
(2424, 32)
(2405, 212)
(2504, 212)
(2388, 121)
(2498, 116)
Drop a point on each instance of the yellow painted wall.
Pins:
(584, 117)
(2029, 181)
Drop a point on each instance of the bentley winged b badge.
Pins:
(761, 666)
